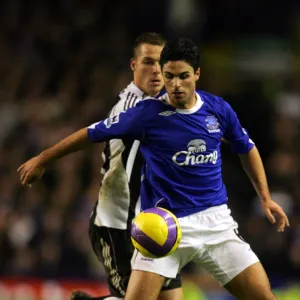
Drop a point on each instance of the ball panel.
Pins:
(159, 211)
(154, 226)
(179, 232)
(177, 240)
(173, 226)
(141, 249)
(159, 223)
(140, 239)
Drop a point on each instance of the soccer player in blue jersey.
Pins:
(180, 141)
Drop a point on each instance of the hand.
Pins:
(270, 208)
(30, 171)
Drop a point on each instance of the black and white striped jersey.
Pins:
(118, 200)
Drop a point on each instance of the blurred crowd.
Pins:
(61, 65)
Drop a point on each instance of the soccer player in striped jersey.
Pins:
(180, 142)
(118, 197)
(118, 201)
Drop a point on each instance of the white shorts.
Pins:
(210, 239)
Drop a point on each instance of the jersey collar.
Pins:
(192, 110)
(132, 87)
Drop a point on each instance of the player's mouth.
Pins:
(155, 82)
(178, 94)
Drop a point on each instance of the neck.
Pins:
(145, 93)
(187, 105)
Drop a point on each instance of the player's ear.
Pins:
(197, 74)
(132, 64)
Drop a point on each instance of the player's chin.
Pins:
(179, 100)
(154, 90)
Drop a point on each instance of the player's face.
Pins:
(180, 82)
(146, 69)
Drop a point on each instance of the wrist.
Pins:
(265, 198)
(42, 159)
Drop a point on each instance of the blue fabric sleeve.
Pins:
(235, 134)
(126, 124)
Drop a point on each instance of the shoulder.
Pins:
(129, 93)
(215, 102)
(152, 108)
(127, 98)
(152, 104)
(210, 99)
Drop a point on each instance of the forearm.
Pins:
(72, 143)
(254, 168)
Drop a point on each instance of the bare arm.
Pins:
(72, 143)
(254, 168)
(34, 168)
(130, 123)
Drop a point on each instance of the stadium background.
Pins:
(61, 65)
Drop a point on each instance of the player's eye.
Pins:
(148, 62)
(184, 75)
(169, 76)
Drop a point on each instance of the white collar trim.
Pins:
(192, 110)
(136, 90)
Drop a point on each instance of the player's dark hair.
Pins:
(181, 49)
(152, 38)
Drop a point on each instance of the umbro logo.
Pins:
(167, 113)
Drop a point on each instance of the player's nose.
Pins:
(176, 82)
(156, 68)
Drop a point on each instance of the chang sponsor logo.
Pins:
(196, 146)
(193, 157)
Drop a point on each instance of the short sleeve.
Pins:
(130, 123)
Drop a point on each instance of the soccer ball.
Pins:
(155, 232)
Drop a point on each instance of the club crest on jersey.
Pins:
(109, 121)
(212, 124)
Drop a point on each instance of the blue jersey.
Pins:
(181, 148)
